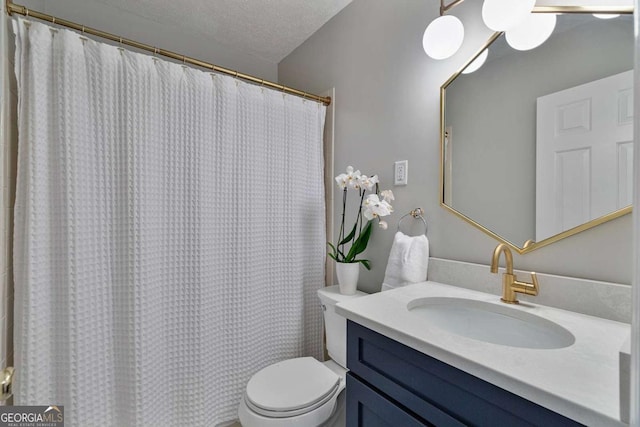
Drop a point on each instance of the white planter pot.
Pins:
(348, 273)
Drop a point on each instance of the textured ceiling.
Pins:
(269, 29)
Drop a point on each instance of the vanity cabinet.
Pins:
(390, 384)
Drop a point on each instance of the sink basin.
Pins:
(492, 323)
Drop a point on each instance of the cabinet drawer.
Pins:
(428, 387)
(367, 408)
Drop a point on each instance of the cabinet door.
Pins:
(368, 408)
(434, 391)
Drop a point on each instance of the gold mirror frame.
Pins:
(529, 245)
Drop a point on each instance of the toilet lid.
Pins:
(292, 385)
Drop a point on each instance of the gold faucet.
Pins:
(510, 284)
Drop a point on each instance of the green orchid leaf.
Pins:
(366, 263)
(336, 254)
(333, 248)
(360, 244)
(349, 236)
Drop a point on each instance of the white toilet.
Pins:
(302, 392)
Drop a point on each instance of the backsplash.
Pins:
(595, 298)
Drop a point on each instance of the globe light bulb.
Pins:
(477, 63)
(606, 15)
(502, 15)
(531, 33)
(443, 37)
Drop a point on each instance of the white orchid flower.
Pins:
(368, 182)
(353, 178)
(383, 225)
(375, 208)
(387, 195)
(350, 179)
(342, 180)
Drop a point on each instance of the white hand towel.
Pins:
(408, 261)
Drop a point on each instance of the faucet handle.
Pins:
(527, 288)
(534, 282)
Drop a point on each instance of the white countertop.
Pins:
(579, 381)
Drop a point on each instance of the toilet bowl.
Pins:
(303, 391)
(296, 392)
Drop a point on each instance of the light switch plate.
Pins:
(400, 172)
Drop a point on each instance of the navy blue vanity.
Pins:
(390, 384)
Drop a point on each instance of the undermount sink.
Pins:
(492, 323)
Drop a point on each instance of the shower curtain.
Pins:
(169, 233)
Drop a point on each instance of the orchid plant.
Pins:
(371, 207)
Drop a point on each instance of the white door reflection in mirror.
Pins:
(583, 151)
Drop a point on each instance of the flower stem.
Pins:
(341, 234)
(359, 217)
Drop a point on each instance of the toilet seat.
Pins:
(278, 392)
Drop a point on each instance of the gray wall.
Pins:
(180, 39)
(387, 109)
(493, 114)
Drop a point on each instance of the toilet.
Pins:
(302, 392)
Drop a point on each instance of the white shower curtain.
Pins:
(169, 234)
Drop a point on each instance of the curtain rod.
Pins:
(22, 10)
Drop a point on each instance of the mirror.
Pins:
(537, 144)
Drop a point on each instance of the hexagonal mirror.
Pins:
(537, 145)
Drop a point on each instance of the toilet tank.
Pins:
(335, 326)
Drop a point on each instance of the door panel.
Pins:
(583, 153)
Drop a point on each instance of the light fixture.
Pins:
(524, 30)
(443, 37)
(476, 63)
(502, 15)
(606, 15)
(532, 32)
